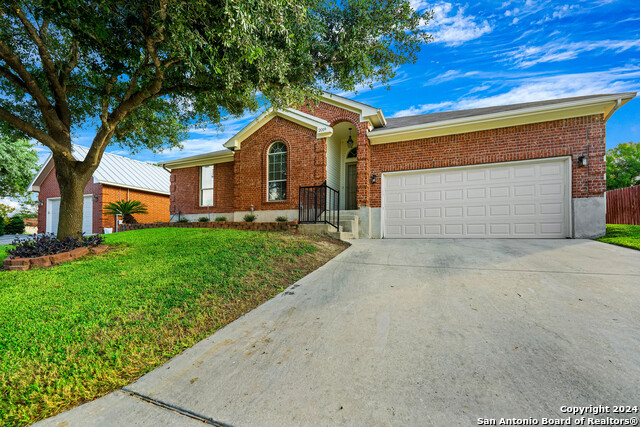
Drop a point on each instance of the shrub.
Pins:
(203, 219)
(1, 226)
(249, 218)
(281, 219)
(126, 209)
(48, 244)
(221, 218)
(183, 220)
(15, 226)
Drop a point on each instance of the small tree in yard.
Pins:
(126, 209)
(144, 71)
(623, 165)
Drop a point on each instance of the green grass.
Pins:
(622, 235)
(3, 251)
(77, 331)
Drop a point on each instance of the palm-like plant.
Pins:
(126, 208)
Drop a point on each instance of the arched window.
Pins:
(353, 153)
(277, 172)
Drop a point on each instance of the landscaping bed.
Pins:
(622, 235)
(76, 332)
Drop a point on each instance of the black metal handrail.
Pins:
(319, 204)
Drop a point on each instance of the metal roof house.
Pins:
(116, 178)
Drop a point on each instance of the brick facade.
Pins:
(157, 204)
(185, 186)
(568, 137)
(307, 159)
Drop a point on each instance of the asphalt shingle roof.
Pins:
(406, 121)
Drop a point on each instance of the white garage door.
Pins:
(528, 199)
(53, 214)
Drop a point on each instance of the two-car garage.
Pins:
(524, 199)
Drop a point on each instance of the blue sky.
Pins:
(494, 53)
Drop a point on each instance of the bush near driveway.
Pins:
(622, 235)
(77, 331)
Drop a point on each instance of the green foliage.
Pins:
(5, 210)
(147, 71)
(163, 66)
(249, 218)
(18, 163)
(126, 209)
(221, 218)
(183, 219)
(203, 219)
(622, 235)
(623, 165)
(14, 226)
(78, 331)
(281, 219)
(2, 226)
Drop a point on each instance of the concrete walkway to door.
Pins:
(411, 332)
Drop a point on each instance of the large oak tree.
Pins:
(143, 71)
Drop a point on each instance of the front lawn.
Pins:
(622, 235)
(72, 333)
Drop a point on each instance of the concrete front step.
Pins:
(342, 235)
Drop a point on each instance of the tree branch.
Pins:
(15, 80)
(49, 67)
(74, 56)
(32, 86)
(33, 132)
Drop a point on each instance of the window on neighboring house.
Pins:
(206, 185)
(277, 172)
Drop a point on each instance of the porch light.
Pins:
(350, 140)
(582, 161)
(374, 178)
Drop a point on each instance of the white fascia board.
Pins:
(46, 168)
(202, 160)
(366, 112)
(322, 127)
(132, 187)
(535, 114)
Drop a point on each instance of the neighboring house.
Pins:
(528, 170)
(30, 225)
(116, 178)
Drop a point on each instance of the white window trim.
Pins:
(200, 189)
(286, 170)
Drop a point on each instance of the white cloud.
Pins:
(561, 12)
(528, 56)
(419, 5)
(453, 27)
(450, 75)
(541, 88)
(424, 108)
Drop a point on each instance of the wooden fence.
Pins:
(623, 206)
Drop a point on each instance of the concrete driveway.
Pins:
(412, 332)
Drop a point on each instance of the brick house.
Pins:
(524, 170)
(117, 178)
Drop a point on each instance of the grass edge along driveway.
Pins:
(622, 235)
(75, 332)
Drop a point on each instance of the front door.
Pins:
(350, 187)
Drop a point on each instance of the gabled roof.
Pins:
(367, 112)
(452, 122)
(117, 171)
(322, 127)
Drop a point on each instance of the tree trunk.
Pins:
(72, 184)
